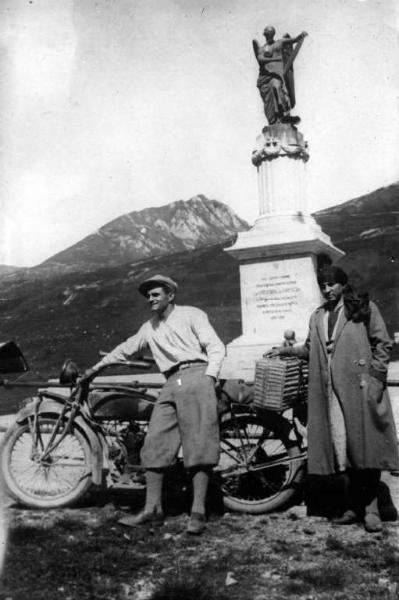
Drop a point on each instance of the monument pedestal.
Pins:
(278, 256)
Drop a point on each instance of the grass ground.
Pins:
(84, 554)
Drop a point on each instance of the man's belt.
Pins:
(183, 365)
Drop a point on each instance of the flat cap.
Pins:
(155, 281)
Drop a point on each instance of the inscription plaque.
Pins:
(278, 295)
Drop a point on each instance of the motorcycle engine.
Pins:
(124, 444)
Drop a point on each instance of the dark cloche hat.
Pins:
(155, 281)
(332, 273)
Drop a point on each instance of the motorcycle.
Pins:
(64, 443)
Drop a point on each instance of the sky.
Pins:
(112, 106)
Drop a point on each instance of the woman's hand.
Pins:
(272, 353)
(376, 388)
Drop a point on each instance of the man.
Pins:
(189, 353)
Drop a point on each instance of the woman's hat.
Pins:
(331, 273)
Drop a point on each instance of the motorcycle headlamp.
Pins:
(69, 373)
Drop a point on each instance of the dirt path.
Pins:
(83, 553)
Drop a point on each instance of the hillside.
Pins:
(75, 315)
(5, 269)
(366, 217)
(74, 312)
(367, 229)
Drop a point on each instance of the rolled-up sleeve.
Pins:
(209, 341)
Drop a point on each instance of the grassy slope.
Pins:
(107, 308)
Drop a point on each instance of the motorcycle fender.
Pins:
(48, 406)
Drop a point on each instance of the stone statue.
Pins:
(276, 74)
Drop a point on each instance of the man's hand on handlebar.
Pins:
(87, 376)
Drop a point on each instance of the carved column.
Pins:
(280, 156)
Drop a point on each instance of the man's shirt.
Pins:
(185, 334)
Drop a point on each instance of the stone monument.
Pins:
(280, 254)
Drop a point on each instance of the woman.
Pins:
(350, 427)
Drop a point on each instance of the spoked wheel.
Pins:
(42, 480)
(259, 471)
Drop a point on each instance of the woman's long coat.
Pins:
(359, 363)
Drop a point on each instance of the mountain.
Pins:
(367, 229)
(75, 311)
(176, 227)
(367, 217)
(5, 269)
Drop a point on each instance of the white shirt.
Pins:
(184, 334)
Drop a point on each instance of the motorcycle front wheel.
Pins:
(38, 480)
(259, 470)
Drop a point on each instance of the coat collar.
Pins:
(320, 328)
(342, 321)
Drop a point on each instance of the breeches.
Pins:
(185, 414)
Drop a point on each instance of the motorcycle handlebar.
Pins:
(135, 364)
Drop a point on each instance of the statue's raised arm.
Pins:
(276, 74)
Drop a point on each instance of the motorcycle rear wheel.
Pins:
(247, 445)
(60, 480)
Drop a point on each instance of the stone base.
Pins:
(242, 354)
(276, 296)
(279, 291)
(274, 236)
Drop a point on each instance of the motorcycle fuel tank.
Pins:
(122, 407)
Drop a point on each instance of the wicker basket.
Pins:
(280, 383)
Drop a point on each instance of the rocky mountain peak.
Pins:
(157, 231)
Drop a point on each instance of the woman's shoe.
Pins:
(372, 522)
